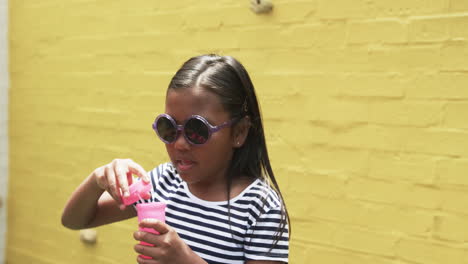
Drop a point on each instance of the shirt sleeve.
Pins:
(267, 238)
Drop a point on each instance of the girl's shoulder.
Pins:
(261, 194)
(165, 172)
(262, 204)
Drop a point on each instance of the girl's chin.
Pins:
(188, 178)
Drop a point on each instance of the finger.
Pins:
(111, 183)
(148, 237)
(159, 226)
(138, 170)
(141, 260)
(100, 176)
(129, 178)
(121, 175)
(101, 179)
(147, 251)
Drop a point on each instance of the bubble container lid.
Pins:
(138, 190)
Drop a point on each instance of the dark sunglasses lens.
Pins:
(166, 129)
(196, 131)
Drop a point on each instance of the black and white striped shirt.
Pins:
(204, 225)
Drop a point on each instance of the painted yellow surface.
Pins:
(365, 105)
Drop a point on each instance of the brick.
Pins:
(328, 9)
(337, 256)
(458, 6)
(121, 9)
(277, 149)
(429, 29)
(315, 232)
(203, 18)
(454, 57)
(375, 191)
(366, 241)
(300, 62)
(341, 160)
(313, 61)
(325, 35)
(145, 62)
(404, 59)
(407, 113)
(426, 251)
(184, 5)
(277, 84)
(222, 39)
(381, 31)
(452, 173)
(344, 212)
(300, 210)
(369, 85)
(293, 11)
(296, 129)
(107, 115)
(371, 137)
(341, 111)
(458, 29)
(423, 197)
(255, 62)
(301, 250)
(257, 38)
(394, 193)
(408, 8)
(451, 228)
(120, 45)
(81, 85)
(291, 104)
(455, 115)
(242, 16)
(326, 185)
(319, 86)
(441, 86)
(436, 141)
(455, 201)
(403, 167)
(88, 25)
(394, 219)
(21, 17)
(347, 60)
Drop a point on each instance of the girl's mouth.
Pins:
(184, 165)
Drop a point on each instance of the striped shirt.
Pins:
(204, 225)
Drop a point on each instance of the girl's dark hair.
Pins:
(227, 78)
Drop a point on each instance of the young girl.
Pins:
(223, 202)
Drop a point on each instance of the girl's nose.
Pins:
(181, 143)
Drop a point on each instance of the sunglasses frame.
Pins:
(180, 129)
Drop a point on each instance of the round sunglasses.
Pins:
(196, 129)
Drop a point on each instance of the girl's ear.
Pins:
(241, 131)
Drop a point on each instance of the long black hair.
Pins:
(227, 78)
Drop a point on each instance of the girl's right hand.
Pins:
(116, 176)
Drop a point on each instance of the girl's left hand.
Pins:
(168, 246)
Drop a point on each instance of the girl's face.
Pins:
(200, 164)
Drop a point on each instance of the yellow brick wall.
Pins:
(365, 105)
